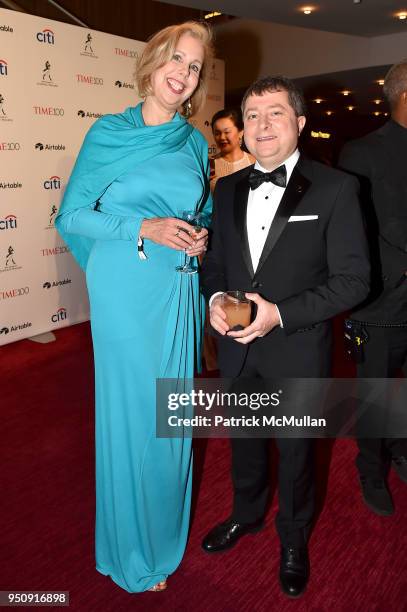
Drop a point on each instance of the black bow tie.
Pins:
(278, 177)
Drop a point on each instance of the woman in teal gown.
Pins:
(135, 174)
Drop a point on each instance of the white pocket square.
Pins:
(302, 218)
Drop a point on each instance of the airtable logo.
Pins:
(125, 85)
(89, 114)
(6, 330)
(8, 223)
(15, 185)
(49, 147)
(3, 67)
(58, 283)
(46, 36)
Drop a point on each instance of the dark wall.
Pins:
(137, 19)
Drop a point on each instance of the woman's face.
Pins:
(176, 81)
(226, 135)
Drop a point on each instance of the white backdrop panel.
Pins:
(55, 80)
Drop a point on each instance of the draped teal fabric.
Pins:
(146, 324)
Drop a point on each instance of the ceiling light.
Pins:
(346, 92)
(380, 81)
(402, 15)
(350, 108)
(376, 113)
(307, 10)
(329, 113)
(213, 14)
(386, 114)
(377, 101)
(318, 100)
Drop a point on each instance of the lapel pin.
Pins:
(299, 188)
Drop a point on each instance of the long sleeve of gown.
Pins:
(98, 225)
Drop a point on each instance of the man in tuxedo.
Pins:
(379, 161)
(288, 231)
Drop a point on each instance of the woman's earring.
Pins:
(188, 108)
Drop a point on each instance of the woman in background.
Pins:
(121, 216)
(227, 129)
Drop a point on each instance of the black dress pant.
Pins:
(250, 462)
(384, 354)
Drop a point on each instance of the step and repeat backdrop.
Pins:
(55, 81)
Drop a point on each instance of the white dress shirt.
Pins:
(262, 206)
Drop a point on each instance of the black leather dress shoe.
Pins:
(400, 466)
(225, 535)
(376, 495)
(294, 570)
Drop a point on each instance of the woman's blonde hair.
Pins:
(160, 49)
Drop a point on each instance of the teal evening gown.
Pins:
(146, 323)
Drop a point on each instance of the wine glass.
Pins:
(197, 220)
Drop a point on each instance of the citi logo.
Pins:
(55, 251)
(49, 147)
(9, 222)
(49, 111)
(12, 293)
(15, 185)
(123, 84)
(54, 182)
(60, 315)
(3, 67)
(6, 28)
(60, 283)
(89, 114)
(89, 80)
(46, 36)
(126, 53)
(10, 146)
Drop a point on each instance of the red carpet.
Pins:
(47, 509)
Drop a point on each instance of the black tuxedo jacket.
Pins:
(379, 161)
(312, 269)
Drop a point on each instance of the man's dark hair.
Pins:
(229, 113)
(278, 83)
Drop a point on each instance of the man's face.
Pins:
(271, 128)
